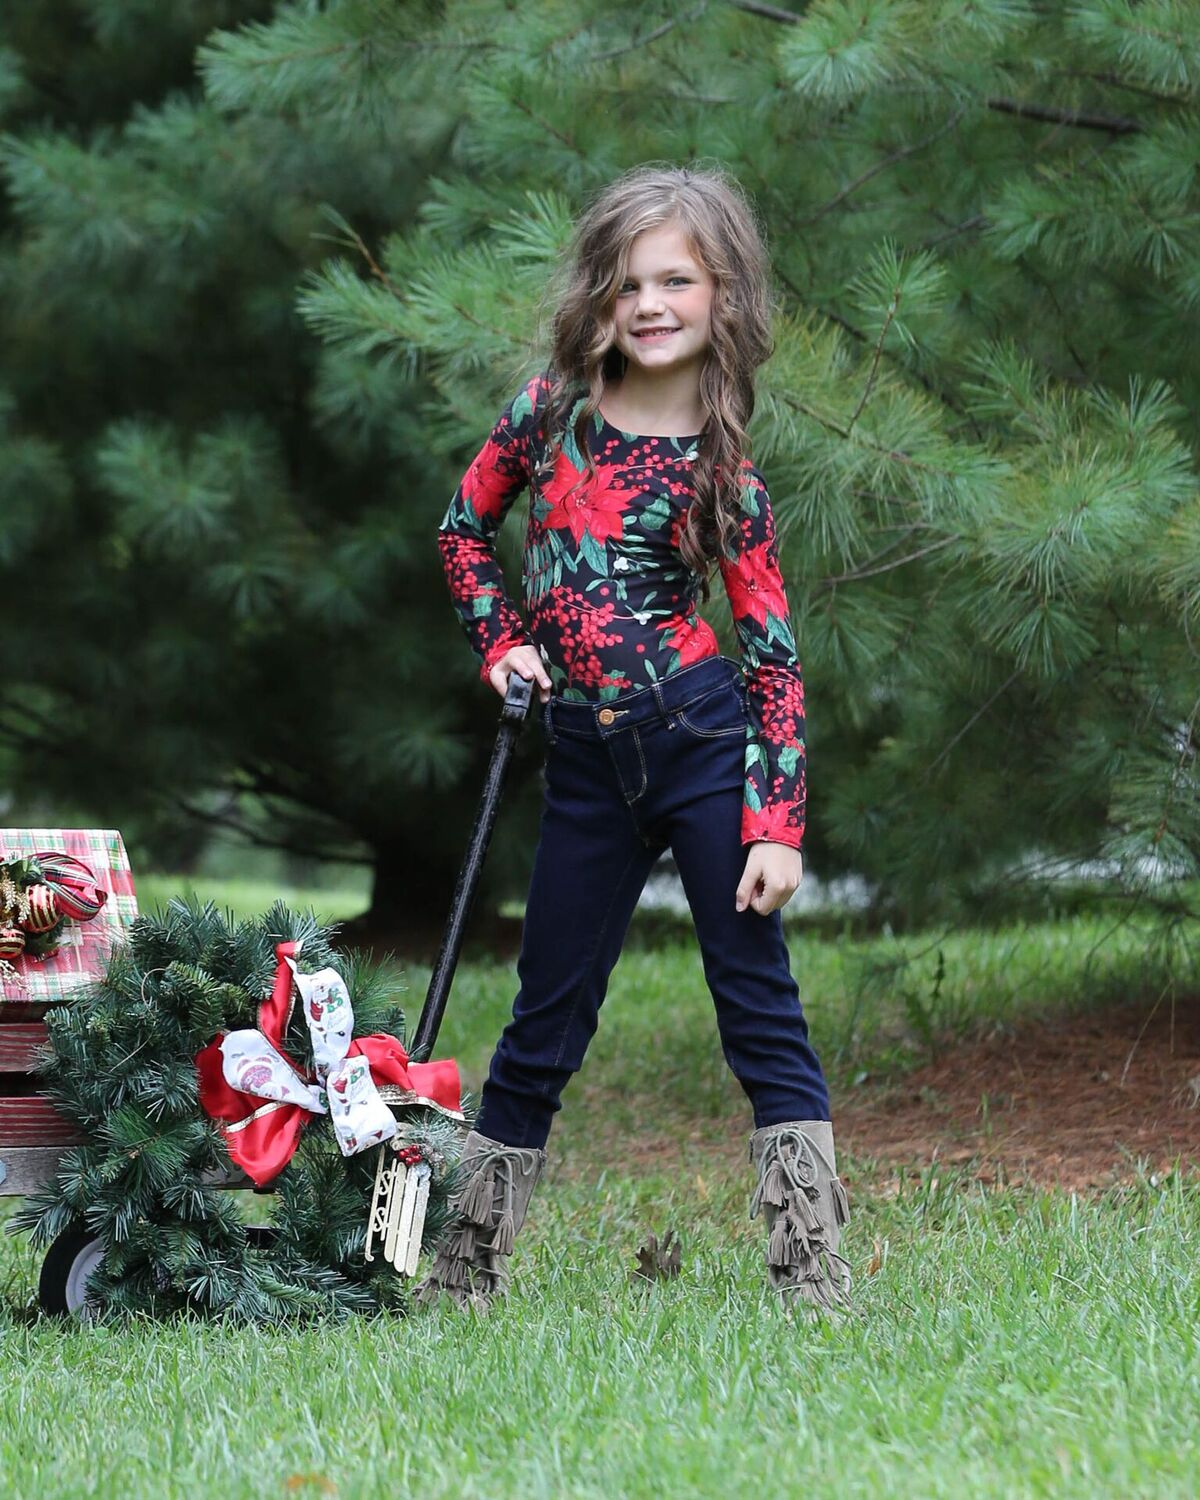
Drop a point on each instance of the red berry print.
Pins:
(611, 602)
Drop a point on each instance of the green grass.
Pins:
(1005, 1342)
(247, 897)
(1006, 1346)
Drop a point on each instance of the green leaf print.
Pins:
(538, 575)
(522, 407)
(594, 554)
(779, 629)
(752, 799)
(788, 757)
(656, 515)
(571, 448)
(750, 498)
(482, 605)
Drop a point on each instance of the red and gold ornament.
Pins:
(12, 942)
(43, 909)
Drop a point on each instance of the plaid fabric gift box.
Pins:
(84, 946)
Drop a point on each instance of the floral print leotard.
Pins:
(610, 601)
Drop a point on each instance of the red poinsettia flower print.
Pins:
(595, 508)
(754, 584)
(488, 480)
(771, 823)
(611, 603)
(693, 639)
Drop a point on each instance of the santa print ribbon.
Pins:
(262, 1101)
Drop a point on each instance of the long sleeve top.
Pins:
(611, 604)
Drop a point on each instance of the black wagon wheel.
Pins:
(75, 1254)
(69, 1262)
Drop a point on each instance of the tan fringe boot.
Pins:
(806, 1211)
(490, 1209)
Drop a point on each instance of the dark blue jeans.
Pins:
(654, 767)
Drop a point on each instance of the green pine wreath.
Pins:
(119, 1064)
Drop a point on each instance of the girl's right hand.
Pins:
(526, 661)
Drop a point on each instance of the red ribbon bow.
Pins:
(262, 1137)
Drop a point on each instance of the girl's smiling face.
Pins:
(665, 287)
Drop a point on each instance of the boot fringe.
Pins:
(461, 1243)
(468, 1264)
(801, 1258)
(502, 1240)
(476, 1202)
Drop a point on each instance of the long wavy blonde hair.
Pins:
(723, 233)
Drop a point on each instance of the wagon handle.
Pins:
(512, 717)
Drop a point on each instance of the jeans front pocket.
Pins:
(719, 712)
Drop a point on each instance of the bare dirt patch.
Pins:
(1080, 1101)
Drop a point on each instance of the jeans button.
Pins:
(606, 716)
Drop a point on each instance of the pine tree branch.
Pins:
(566, 140)
(635, 44)
(969, 725)
(887, 567)
(232, 824)
(976, 221)
(897, 455)
(1121, 83)
(889, 318)
(357, 242)
(1054, 115)
(882, 166)
(767, 12)
(833, 316)
(1050, 113)
(1047, 287)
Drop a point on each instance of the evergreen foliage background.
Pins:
(263, 311)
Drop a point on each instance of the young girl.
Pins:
(632, 445)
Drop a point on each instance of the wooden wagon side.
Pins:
(33, 1135)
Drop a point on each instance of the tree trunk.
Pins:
(411, 898)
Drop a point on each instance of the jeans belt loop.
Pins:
(658, 703)
(548, 721)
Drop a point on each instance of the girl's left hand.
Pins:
(772, 874)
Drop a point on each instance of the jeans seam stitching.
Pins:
(637, 740)
(682, 718)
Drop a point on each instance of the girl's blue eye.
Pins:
(684, 279)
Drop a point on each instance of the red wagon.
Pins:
(33, 1135)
